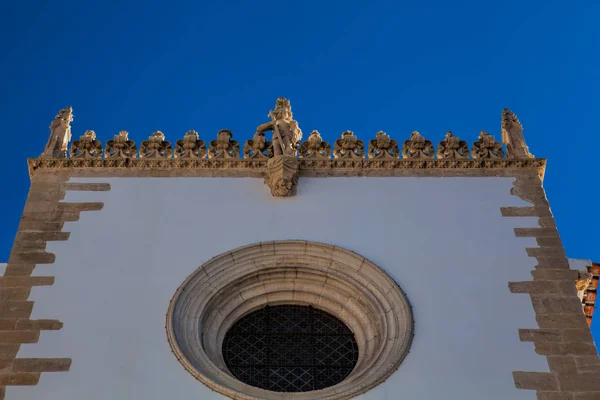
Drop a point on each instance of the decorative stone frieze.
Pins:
(87, 146)
(348, 146)
(120, 147)
(156, 147)
(190, 146)
(315, 147)
(60, 135)
(383, 146)
(487, 147)
(224, 146)
(282, 175)
(417, 147)
(233, 167)
(258, 147)
(512, 136)
(453, 147)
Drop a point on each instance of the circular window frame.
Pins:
(335, 280)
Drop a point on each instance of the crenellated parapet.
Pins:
(285, 144)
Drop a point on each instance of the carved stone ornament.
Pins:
(87, 146)
(582, 283)
(286, 132)
(315, 147)
(487, 147)
(282, 175)
(417, 147)
(156, 147)
(224, 147)
(120, 147)
(453, 147)
(348, 146)
(60, 135)
(190, 146)
(383, 146)
(258, 147)
(512, 136)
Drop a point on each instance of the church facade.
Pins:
(291, 269)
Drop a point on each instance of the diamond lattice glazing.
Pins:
(290, 348)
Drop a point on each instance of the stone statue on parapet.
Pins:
(60, 135)
(286, 133)
(512, 136)
(281, 172)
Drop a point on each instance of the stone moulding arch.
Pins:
(330, 278)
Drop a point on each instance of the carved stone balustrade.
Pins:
(190, 146)
(453, 147)
(315, 147)
(383, 146)
(417, 147)
(258, 147)
(487, 147)
(87, 146)
(120, 147)
(224, 146)
(156, 147)
(348, 146)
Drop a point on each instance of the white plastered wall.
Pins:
(442, 239)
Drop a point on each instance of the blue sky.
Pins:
(398, 66)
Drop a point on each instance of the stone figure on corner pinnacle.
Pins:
(60, 135)
(512, 136)
(282, 169)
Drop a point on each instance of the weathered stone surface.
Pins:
(536, 232)
(550, 305)
(564, 321)
(525, 211)
(15, 336)
(87, 187)
(8, 351)
(565, 349)
(555, 274)
(43, 236)
(17, 281)
(14, 293)
(34, 257)
(579, 382)
(540, 335)
(23, 379)
(541, 381)
(554, 396)
(41, 364)
(38, 324)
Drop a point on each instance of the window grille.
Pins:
(290, 348)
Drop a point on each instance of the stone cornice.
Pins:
(132, 167)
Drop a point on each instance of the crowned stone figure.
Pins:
(286, 133)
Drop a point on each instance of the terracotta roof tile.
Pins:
(589, 296)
